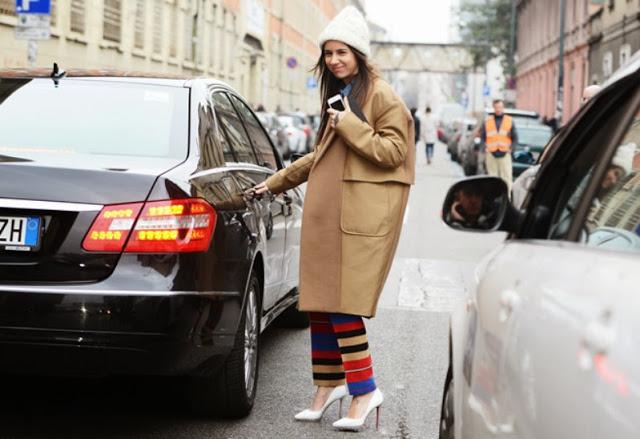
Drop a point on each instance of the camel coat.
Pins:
(358, 178)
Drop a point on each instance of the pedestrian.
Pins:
(499, 135)
(589, 92)
(416, 124)
(429, 133)
(358, 179)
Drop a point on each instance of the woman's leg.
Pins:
(326, 360)
(356, 359)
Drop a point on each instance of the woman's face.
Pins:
(340, 60)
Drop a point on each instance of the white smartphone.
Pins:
(336, 102)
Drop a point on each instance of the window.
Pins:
(625, 54)
(132, 119)
(190, 34)
(232, 128)
(112, 18)
(213, 152)
(260, 141)
(569, 186)
(213, 49)
(158, 18)
(54, 13)
(138, 26)
(173, 26)
(613, 221)
(77, 16)
(7, 7)
(607, 64)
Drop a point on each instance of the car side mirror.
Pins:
(296, 156)
(476, 204)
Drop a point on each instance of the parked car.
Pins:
(127, 241)
(306, 126)
(532, 139)
(276, 131)
(463, 131)
(297, 137)
(546, 345)
(469, 148)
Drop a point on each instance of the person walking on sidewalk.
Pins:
(499, 135)
(358, 179)
(429, 133)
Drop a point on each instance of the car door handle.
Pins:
(509, 301)
(598, 337)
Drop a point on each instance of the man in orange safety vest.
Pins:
(499, 135)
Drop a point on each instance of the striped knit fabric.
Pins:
(339, 350)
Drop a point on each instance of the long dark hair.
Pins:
(330, 85)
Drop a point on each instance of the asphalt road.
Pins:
(408, 339)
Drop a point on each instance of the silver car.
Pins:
(548, 343)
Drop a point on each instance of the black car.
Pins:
(128, 243)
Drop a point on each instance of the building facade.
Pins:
(263, 48)
(538, 36)
(614, 37)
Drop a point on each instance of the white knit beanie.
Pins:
(349, 27)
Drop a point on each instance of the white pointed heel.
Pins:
(336, 394)
(355, 424)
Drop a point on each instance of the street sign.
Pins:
(33, 27)
(33, 6)
(292, 62)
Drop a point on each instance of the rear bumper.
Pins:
(78, 331)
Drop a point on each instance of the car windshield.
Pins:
(92, 117)
(536, 137)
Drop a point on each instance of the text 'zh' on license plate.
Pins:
(19, 233)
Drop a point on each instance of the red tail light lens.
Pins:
(307, 130)
(171, 226)
(111, 228)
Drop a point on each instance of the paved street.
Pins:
(408, 339)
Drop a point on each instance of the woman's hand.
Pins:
(258, 190)
(335, 115)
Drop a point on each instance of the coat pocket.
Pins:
(365, 208)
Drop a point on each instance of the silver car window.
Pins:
(613, 221)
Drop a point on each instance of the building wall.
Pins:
(615, 36)
(245, 43)
(537, 53)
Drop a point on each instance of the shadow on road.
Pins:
(116, 406)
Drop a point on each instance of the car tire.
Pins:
(292, 318)
(230, 391)
(447, 425)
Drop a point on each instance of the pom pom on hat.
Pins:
(349, 27)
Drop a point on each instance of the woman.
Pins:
(358, 183)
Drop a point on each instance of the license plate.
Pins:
(19, 233)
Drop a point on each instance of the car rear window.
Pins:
(86, 116)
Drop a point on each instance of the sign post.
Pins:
(34, 23)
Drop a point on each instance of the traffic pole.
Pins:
(560, 89)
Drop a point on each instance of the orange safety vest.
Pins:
(498, 140)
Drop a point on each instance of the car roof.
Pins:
(515, 112)
(170, 79)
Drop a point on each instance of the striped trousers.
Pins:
(340, 351)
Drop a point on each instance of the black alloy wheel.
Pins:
(447, 412)
(230, 391)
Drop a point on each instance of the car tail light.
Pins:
(170, 226)
(307, 130)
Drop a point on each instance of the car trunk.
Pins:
(58, 204)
